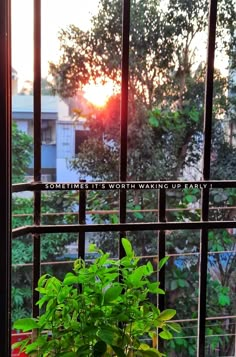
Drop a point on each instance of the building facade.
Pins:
(60, 135)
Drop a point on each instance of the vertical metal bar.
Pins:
(162, 243)
(5, 178)
(124, 113)
(82, 220)
(161, 251)
(37, 148)
(206, 176)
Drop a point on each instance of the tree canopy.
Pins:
(22, 150)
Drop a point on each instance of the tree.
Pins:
(22, 149)
(162, 57)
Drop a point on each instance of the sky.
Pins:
(56, 14)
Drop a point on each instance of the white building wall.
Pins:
(65, 140)
(64, 174)
(65, 152)
(63, 110)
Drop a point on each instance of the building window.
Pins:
(80, 137)
(47, 132)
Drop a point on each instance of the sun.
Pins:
(98, 94)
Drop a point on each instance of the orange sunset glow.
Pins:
(98, 94)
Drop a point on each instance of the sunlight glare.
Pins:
(98, 94)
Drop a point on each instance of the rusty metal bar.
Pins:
(132, 227)
(37, 149)
(82, 220)
(124, 114)
(161, 252)
(5, 177)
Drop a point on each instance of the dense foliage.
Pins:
(99, 310)
(22, 147)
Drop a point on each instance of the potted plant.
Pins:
(99, 310)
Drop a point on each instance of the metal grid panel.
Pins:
(81, 228)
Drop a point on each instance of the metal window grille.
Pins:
(36, 229)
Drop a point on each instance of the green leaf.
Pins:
(153, 122)
(149, 267)
(112, 293)
(153, 288)
(37, 344)
(167, 314)
(127, 247)
(190, 198)
(173, 285)
(224, 300)
(152, 352)
(107, 335)
(182, 283)
(160, 291)
(70, 279)
(162, 262)
(144, 347)
(114, 218)
(138, 215)
(166, 335)
(136, 277)
(99, 349)
(16, 345)
(119, 352)
(211, 235)
(26, 324)
(194, 115)
(175, 327)
(68, 354)
(92, 248)
(42, 301)
(42, 280)
(22, 344)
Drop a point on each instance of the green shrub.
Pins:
(99, 310)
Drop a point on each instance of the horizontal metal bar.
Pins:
(207, 336)
(21, 231)
(20, 187)
(115, 185)
(174, 255)
(152, 226)
(105, 212)
(212, 318)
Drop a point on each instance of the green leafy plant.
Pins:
(99, 309)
